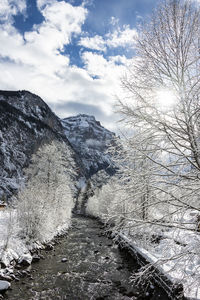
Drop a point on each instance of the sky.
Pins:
(71, 53)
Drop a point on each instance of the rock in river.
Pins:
(25, 259)
(4, 285)
(35, 258)
(64, 259)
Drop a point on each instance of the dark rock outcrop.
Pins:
(26, 123)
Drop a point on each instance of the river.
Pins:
(85, 264)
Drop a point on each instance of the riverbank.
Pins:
(85, 264)
(15, 252)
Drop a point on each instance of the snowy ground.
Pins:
(171, 244)
(176, 254)
(12, 247)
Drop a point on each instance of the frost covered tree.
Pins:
(163, 88)
(46, 202)
(126, 196)
(158, 181)
(161, 105)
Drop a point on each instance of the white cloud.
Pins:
(41, 47)
(114, 21)
(42, 3)
(109, 74)
(87, 3)
(64, 18)
(9, 8)
(125, 37)
(35, 62)
(107, 70)
(97, 43)
(120, 60)
(96, 64)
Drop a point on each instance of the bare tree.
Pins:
(159, 166)
(168, 66)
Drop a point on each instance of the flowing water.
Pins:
(92, 268)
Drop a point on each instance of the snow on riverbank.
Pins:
(43, 205)
(172, 248)
(174, 254)
(177, 262)
(12, 245)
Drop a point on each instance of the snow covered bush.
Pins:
(108, 204)
(46, 202)
(8, 226)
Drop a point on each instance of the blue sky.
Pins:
(71, 53)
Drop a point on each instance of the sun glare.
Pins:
(165, 99)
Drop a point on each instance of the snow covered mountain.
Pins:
(26, 123)
(90, 140)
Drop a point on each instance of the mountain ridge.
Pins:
(91, 141)
(27, 122)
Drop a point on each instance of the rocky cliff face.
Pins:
(26, 122)
(91, 141)
(33, 107)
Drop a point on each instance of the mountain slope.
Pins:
(26, 123)
(90, 140)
